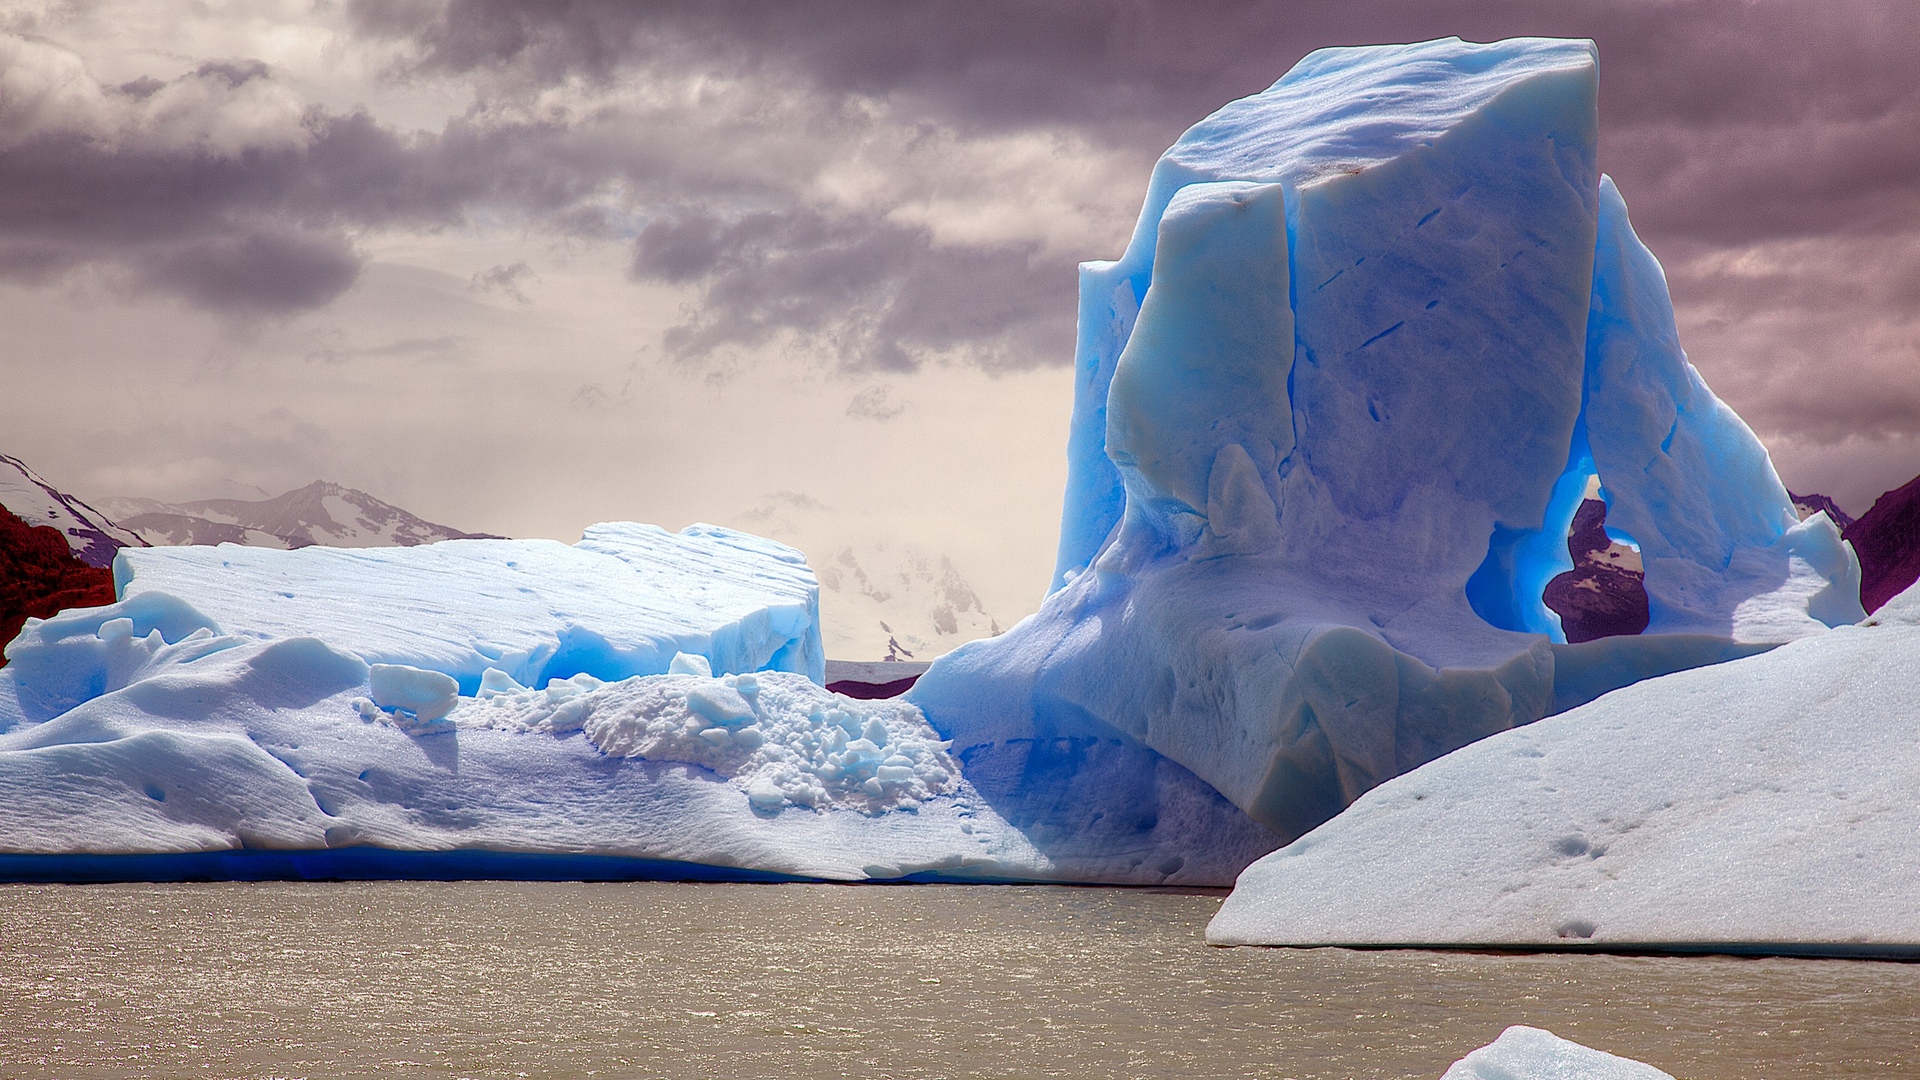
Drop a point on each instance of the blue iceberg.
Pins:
(642, 704)
(1377, 329)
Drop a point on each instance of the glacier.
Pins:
(1760, 806)
(1376, 330)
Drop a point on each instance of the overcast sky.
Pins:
(522, 267)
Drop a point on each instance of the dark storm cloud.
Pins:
(878, 294)
(1775, 126)
(1728, 124)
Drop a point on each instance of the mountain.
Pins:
(881, 598)
(320, 513)
(1808, 505)
(54, 550)
(40, 575)
(1603, 595)
(90, 535)
(1887, 539)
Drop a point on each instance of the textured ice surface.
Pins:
(1527, 1053)
(1767, 803)
(621, 602)
(142, 728)
(1336, 406)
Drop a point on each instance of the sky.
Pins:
(809, 267)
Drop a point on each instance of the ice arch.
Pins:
(1336, 406)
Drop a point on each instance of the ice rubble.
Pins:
(1377, 328)
(1529, 1053)
(1765, 805)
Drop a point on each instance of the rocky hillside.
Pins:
(1887, 539)
(1602, 596)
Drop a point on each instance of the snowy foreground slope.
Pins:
(1337, 404)
(1766, 804)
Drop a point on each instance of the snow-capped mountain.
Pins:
(1808, 505)
(320, 513)
(881, 598)
(92, 536)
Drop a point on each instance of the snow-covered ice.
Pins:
(1529, 1053)
(1764, 805)
(147, 728)
(620, 602)
(1337, 403)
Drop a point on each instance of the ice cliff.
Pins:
(1336, 406)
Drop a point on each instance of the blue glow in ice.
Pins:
(1336, 406)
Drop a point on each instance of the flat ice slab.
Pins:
(619, 603)
(1528, 1053)
(1763, 805)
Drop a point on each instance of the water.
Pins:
(508, 979)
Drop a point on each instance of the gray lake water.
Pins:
(505, 979)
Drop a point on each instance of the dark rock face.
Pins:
(868, 691)
(1808, 505)
(1887, 539)
(39, 576)
(1602, 595)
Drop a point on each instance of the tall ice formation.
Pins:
(1336, 405)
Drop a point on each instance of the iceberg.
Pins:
(487, 708)
(1529, 1053)
(1760, 806)
(621, 602)
(1377, 329)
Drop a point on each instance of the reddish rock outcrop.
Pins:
(1603, 595)
(39, 576)
(1887, 539)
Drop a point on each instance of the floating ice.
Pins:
(1336, 406)
(623, 601)
(1763, 805)
(1528, 1053)
(143, 728)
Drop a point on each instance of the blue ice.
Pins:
(1336, 405)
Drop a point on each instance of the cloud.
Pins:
(875, 403)
(877, 185)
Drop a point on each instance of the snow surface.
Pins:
(92, 538)
(1528, 1053)
(1304, 541)
(621, 602)
(1765, 804)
